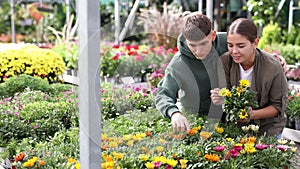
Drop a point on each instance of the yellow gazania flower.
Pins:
(243, 114)
(144, 157)
(239, 90)
(161, 159)
(183, 163)
(162, 141)
(77, 165)
(229, 139)
(149, 165)
(219, 130)
(29, 163)
(130, 143)
(244, 83)
(294, 149)
(282, 141)
(118, 155)
(71, 160)
(171, 162)
(113, 144)
(205, 135)
(224, 92)
(127, 137)
(197, 128)
(159, 149)
(137, 137)
(249, 148)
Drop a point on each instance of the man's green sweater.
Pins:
(191, 80)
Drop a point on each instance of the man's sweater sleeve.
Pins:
(166, 96)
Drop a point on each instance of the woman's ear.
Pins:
(256, 42)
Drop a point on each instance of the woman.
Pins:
(244, 61)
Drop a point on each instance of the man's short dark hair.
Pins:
(197, 26)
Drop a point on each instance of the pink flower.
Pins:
(237, 148)
(261, 146)
(219, 148)
(169, 167)
(116, 57)
(157, 164)
(282, 147)
(233, 153)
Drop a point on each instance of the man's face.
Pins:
(201, 48)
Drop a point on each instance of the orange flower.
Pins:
(251, 139)
(20, 157)
(205, 135)
(148, 133)
(212, 157)
(298, 94)
(192, 132)
(41, 162)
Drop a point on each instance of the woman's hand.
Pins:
(215, 97)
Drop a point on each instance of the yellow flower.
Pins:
(224, 92)
(244, 83)
(171, 162)
(243, 114)
(149, 165)
(144, 157)
(159, 149)
(77, 165)
(282, 141)
(219, 130)
(183, 161)
(249, 148)
(118, 155)
(113, 144)
(130, 143)
(294, 149)
(161, 159)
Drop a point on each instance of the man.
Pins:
(194, 70)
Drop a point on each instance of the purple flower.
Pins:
(16, 113)
(6, 112)
(35, 127)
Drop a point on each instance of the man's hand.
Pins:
(282, 62)
(179, 122)
(215, 97)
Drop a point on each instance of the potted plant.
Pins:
(293, 108)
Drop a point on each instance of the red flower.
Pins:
(20, 157)
(148, 133)
(116, 57)
(115, 46)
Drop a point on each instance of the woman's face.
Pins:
(241, 49)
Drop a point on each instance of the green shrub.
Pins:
(271, 34)
(57, 88)
(36, 114)
(19, 83)
(33, 61)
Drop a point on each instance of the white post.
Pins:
(117, 20)
(200, 6)
(89, 83)
(68, 12)
(290, 16)
(12, 17)
(209, 9)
